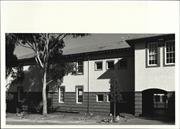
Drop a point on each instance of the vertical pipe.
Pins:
(88, 87)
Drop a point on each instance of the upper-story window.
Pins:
(169, 52)
(152, 54)
(78, 68)
(110, 64)
(98, 65)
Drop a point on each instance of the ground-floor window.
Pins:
(108, 98)
(99, 98)
(159, 101)
(79, 94)
(61, 94)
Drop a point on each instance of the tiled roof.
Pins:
(90, 43)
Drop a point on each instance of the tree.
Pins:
(11, 60)
(115, 95)
(46, 47)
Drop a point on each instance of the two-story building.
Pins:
(141, 65)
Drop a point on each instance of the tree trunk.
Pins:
(114, 115)
(44, 97)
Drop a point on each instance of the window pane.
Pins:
(98, 65)
(109, 97)
(152, 51)
(80, 67)
(170, 52)
(79, 93)
(61, 92)
(100, 98)
(164, 98)
(110, 64)
(157, 98)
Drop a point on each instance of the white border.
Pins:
(89, 17)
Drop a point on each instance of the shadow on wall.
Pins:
(158, 103)
(121, 77)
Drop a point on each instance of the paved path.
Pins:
(134, 121)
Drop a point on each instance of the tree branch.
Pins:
(59, 37)
(22, 45)
(38, 59)
(49, 82)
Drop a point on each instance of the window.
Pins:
(110, 64)
(100, 98)
(152, 54)
(122, 63)
(78, 68)
(61, 94)
(169, 52)
(79, 94)
(98, 65)
(157, 98)
(108, 97)
(160, 101)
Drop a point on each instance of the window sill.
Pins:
(152, 66)
(170, 64)
(78, 102)
(98, 70)
(99, 101)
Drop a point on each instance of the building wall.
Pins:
(153, 79)
(162, 77)
(99, 81)
(93, 82)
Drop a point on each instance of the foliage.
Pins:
(115, 92)
(10, 57)
(46, 47)
(115, 95)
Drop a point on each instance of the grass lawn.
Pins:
(80, 119)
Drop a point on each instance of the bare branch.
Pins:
(49, 82)
(22, 45)
(38, 59)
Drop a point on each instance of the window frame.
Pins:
(107, 64)
(76, 69)
(161, 101)
(97, 100)
(59, 92)
(77, 97)
(165, 53)
(95, 65)
(108, 98)
(147, 54)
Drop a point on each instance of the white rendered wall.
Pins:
(99, 81)
(162, 77)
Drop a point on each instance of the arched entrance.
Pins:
(154, 102)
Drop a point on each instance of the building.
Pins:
(142, 66)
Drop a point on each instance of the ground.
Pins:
(74, 118)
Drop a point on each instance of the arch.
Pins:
(154, 102)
